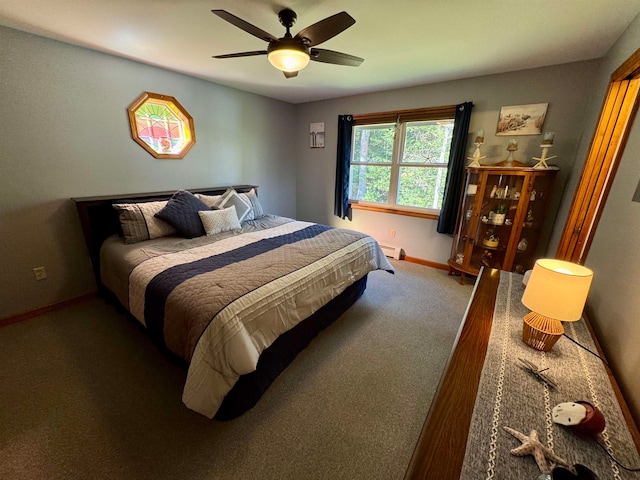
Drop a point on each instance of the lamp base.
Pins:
(540, 332)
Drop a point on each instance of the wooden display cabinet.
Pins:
(502, 213)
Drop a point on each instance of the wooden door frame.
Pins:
(605, 152)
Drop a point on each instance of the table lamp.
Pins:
(556, 292)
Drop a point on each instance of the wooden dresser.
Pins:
(440, 450)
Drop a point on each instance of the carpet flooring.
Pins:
(85, 394)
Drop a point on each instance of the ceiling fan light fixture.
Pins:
(288, 58)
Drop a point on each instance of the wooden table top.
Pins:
(440, 450)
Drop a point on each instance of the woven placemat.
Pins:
(508, 395)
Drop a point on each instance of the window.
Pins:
(399, 160)
(161, 126)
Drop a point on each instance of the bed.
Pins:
(233, 306)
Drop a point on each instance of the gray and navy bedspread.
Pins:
(218, 301)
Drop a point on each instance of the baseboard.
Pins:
(428, 263)
(46, 309)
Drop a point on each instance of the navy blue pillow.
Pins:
(182, 213)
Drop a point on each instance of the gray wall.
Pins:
(66, 134)
(69, 136)
(614, 303)
(564, 87)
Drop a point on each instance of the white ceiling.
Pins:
(403, 42)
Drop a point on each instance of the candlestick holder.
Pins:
(510, 161)
(475, 160)
(542, 160)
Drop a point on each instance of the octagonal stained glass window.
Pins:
(161, 126)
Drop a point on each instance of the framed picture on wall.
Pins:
(316, 135)
(522, 119)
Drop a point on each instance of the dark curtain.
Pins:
(455, 174)
(345, 131)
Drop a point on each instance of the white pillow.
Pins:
(218, 221)
(231, 197)
(208, 200)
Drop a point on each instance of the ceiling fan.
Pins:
(291, 54)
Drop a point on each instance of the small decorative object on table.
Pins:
(556, 293)
(580, 416)
(531, 446)
(538, 372)
(582, 473)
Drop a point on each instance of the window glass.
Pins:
(161, 126)
(370, 183)
(427, 142)
(401, 165)
(373, 143)
(421, 187)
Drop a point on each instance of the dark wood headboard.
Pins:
(99, 219)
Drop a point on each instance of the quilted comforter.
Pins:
(219, 302)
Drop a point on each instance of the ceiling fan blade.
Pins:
(326, 29)
(337, 58)
(242, 54)
(246, 26)
(290, 74)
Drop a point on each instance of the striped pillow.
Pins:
(138, 221)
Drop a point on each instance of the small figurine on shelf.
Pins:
(522, 245)
(486, 258)
(498, 214)
(490, 240)
(532, 197)
(460, 258)
(529, 221)
(493, 191)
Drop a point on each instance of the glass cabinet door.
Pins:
(502, 194)
(466, 219)
(527, 247)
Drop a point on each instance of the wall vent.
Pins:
(393, 252)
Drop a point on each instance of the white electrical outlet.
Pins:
(40, 273)
(392, 233)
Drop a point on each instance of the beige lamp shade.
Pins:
(558, 289)
(556, 292)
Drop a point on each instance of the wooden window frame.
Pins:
(607, 146)
(401, 116)
(180, 112)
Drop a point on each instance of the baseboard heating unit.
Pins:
(392, 252)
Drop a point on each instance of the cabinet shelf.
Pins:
(469, 253)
